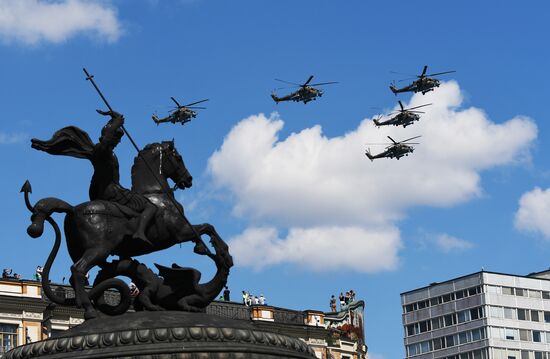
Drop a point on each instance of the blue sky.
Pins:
(306, 214)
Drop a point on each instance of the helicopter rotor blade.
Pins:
(308, 81)
(393, 140)
(415, 111)
(288, 82)
(324, 83)
(424, 71)
(401, 105)
(441, 73)
(408, 139)
(412, 108)
(177, 103)
(194, 103)
(196, 107)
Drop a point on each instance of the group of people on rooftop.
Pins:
(344, 300)
(249, 299)
(8, 273)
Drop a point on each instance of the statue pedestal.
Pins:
(165, 335)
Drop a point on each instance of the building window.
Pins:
(536, 336)
(535, 316)
(475, 313)
(547, 317)
(423, 304)
(509, 313)
(496, 312)
(449, 320)
(521, 293)
(494, 289)
(524, 335)
(535, 293)
(545, 295)
(450, 341)
(508, 290)
(525, 354)
(524, 314)
(8, 337)
(510, 334)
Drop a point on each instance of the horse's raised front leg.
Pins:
(186, 234)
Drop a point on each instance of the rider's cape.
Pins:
(68, 141)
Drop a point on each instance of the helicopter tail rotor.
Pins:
(369, 155)
(377, 121)
(156, 119)
(275, 98)
(393, 89)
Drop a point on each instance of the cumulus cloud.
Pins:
(311, 181)
(11, 138)
(319, 248)
(533, 214)
(447, 243)
(34, 21)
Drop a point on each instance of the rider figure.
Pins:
(105, 183)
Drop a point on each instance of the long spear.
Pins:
(170, 196)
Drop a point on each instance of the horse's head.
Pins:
(172, 166)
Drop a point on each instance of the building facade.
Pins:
(484, 315)
(27, 316)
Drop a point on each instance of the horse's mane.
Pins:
(147, 153)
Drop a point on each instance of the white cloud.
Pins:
(310, 181)
(319, 248)
(11, 138)
(447, 243)
(533, 214)
(34, 21)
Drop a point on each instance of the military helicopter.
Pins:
(305, 93)
(424, 83)
(395, 149)
(181, 114)
(404, 116)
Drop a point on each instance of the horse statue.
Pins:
(96, 229)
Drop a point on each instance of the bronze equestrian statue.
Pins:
(126, 223)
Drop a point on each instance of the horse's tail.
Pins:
(50, 293)
(41, 212)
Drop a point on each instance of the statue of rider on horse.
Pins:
(126, 223)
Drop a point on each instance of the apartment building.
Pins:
(484, 315)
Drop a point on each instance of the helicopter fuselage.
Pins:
(394, 151)
(404, 119)
(304, 94)
(181, 115)
(424, 85)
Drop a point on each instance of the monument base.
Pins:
(165, 335)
